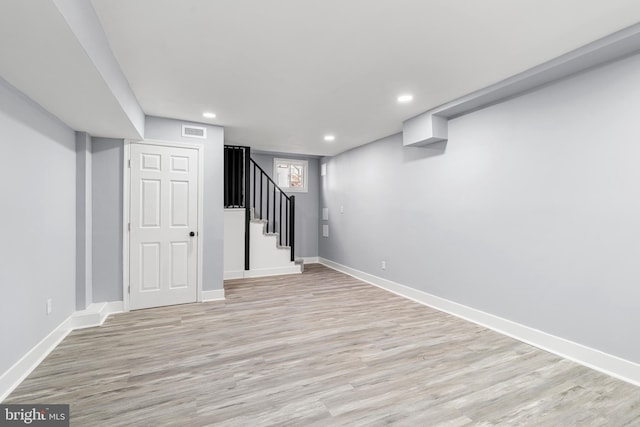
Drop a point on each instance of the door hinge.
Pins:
(129, 290)
(129, 163)
(129, 226)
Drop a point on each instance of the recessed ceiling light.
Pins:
(405, 98)
(209, 115)
(329, 138)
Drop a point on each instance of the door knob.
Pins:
(193, 233)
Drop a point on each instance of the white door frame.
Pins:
(126, 195)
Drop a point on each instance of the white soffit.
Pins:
(41, 56)
(431, 126)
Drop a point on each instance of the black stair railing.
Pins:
(274, 206)
(237, 193)
(248, 186)
(234, 176)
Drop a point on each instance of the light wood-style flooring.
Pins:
(317, 349)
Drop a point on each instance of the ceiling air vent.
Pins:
(189, 131)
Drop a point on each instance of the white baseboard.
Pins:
(234, 274)
(263, 272)
(27, 363)
(277, 271)
(213, 295)
(595, 359)
(94, 315)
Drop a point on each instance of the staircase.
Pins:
(259, 220)
(267, 256)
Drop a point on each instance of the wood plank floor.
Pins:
(320, 349)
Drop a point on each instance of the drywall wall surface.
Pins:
(38, 254)
(529, 212)
(107, 175)
(158, 128)
(307, 211)
(234, 239)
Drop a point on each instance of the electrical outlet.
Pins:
(49, 305)
(383, 264)
(341, 209)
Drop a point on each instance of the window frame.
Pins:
(305, 174)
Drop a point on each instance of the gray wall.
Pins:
(106, 159)
(531, 211)
(37, 255)
(171, 130)
(307, 216)
(84, 227)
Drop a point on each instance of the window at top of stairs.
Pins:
(291, 174)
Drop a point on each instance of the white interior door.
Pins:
(163, 249)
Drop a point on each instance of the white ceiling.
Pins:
(281, 74)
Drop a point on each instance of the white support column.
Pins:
(84, 242)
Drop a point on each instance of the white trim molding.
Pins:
(126, 185)
(276, 271)
(213, 295)
(595, 359)
(262, 272)
(311, 260)
(233, 274)
(27, 363)
(94, 315)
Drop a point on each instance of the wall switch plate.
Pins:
(49, 305)
(341, 209)
(325, 230)
(383, 265)
(325, 214)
